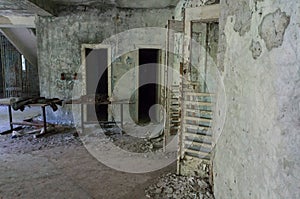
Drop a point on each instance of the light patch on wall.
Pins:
(23, 63)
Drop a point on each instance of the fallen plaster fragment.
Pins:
(174, 186)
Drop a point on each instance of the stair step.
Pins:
(199, 135)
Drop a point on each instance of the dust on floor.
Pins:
(59, 166)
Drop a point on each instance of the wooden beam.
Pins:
(17, 21)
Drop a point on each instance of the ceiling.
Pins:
(16, 16)
(122, 3)
(49, 7)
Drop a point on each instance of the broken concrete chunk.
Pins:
(174, 186)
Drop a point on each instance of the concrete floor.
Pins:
(59, 166)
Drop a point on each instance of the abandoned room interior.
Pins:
(132, 99)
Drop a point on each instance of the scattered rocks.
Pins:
(133, 144)
(177, 187)
(60, 136)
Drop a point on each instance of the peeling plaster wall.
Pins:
(257, 150)
(32, 79)
(60, 40)
(1, 81)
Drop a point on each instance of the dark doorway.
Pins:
(97, 82)
(148, 87)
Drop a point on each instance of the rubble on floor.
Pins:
(134, 144)
(180, 187)
(60, 136)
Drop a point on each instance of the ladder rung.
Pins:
(193, 156)
(199, 94)
(198, 119)
(198, 111)
(199, 144)
(199, 154)
(186, 102)
(195, 125)
(175, 121)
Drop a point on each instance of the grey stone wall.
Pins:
(32, 80)
(257, 151)
(60, 40)
(1, 81)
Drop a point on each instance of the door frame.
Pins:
(160, 48)
(84, 72)
(209, 13)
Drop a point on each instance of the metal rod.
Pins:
(121, 117)
(10, 118)
(44, 119)
(82, 122)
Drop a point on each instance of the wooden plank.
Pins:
(196, 125)
(199, 144)
(205, 13)
(199, 94)
(11, 130)
(204, 112)
(186, 102)
(198, 119)
(200, 153)
(206, 158)
(198, 135)
(27, 124)
(198, 130)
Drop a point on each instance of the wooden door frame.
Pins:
(160, 48)
(84, 71)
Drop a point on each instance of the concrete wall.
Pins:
(257, 151)
(32, 79)
(60, 40)
(1, 81)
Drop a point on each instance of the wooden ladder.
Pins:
(195, 139)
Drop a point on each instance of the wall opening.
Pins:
(148, 85)
(97, 82)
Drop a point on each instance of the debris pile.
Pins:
(134, 144)
(179, 187)
(24, 142)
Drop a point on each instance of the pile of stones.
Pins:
(181, 187)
